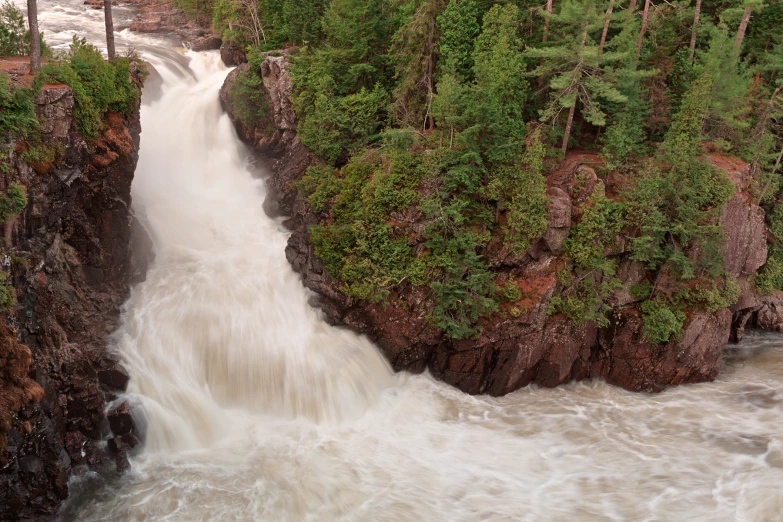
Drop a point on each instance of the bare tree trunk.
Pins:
(696, 14)
(546, 20)
(35, 37)
(606, 26)
(632, 6)
(109, 29)
(644, 28)
(742, 28)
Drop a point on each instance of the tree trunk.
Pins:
(109, 29)
(606, 26)
(567, 133)
(696, 14)
(742, 28)
(35, 37)
(644, 28)
(546, 20)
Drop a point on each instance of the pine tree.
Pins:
(578, 73)
(459, 27)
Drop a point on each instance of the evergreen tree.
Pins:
(578, 73)
(459, 25)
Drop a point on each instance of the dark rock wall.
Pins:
(528, 345)
(73, 264)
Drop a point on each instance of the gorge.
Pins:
(251, 406)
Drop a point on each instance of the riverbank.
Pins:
(523, 342)
(70, 254)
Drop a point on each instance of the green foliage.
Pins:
(521, 191)
(319, 185)
(662, 323)
(770, 279)
(583, 299)
(12, 201)
(247, 94)
(14, 37)
(676, 206)
(459, 26)
(98, 86)
(7, 293)
(17, 111)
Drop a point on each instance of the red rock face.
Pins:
(524, 344)
(76, 236)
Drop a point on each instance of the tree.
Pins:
(459, 27)
(109, 29)
(645, 14)
(743, 27)
(35, 37)
(696, 13)
(414, 48)
(548, 11)
(606, 26)
(578, 72)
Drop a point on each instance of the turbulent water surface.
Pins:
(257, 410)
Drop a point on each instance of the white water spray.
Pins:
(222, 321)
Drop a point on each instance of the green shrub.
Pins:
(12, 201)
(17, 111)
(662, 323)
(247, 93)
(769, 280)
(14, 37)
(7, 293)
(98, 86)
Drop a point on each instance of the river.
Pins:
(258, 410)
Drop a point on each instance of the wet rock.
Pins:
(231, 54)
(54, 108)
(114, 377)
(121, 419)
(75, 239)
(206, 43)
(559, 220)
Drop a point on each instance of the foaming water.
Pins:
(222, 321)
(257, 410)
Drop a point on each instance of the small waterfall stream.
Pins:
(258, 410)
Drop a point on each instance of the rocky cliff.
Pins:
(71, 262)
(523, 343)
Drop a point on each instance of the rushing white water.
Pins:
(257, 410)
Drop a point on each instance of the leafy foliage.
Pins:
(98, 86)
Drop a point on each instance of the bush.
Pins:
(12, 201)
(17, 111)
(247, 94)
(7, 293)
(662, 323)
(14, 37)
(98, 86)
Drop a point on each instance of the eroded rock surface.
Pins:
(73, 261)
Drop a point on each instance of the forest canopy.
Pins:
(454, 111)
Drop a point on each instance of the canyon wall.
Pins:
(72, 254)
(523, 343)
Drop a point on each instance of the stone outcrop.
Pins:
(162, 18)
(71, 262)
(524, 343)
